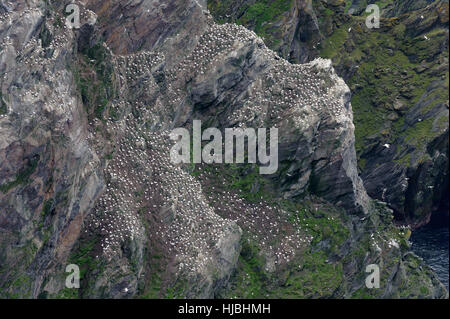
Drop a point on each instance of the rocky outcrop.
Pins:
(48, 173)
(397, 7)
(240, 70)
(396, 135)
(290, 28)
(402, 161)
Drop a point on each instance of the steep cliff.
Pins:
(49, 174)
(398, 75)
(86, 177)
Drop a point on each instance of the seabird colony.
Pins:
(142, 183)
(142, 178)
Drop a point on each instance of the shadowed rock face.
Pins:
(410, 120)
(238, 79)
(411, 175)
(44, 156)
(400, 7)
(292, 31)
(86, 176)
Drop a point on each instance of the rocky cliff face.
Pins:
(86, 177)
(49, 177)
(398, 75)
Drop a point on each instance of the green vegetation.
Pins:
(154, 280)
(67, 293)
(308, 276)
(48, 206)
(390, 69)
(94, 78)
(322, 225)
(16, 281)
(83, 257)
(155, 266)
(23, 177)
(246, 178)
(46, 36)
(392, 75)
(439, 95)
(3, 106)
(380, 89)
(420, 134)
(258, 16)
(332, 44)
(315, 278)
(263, 12)
(249, 281)
(22, 287)
(177, 291)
